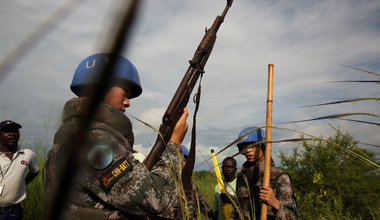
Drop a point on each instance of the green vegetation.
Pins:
(34, 204)
(329, 183)
(206, 182)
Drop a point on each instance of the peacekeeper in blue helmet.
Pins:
(111, 183)
(279, 197)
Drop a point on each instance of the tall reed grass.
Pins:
(34, 204)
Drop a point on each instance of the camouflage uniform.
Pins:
(175, 212)
(111, 183)
(279, 182)
(197, 200)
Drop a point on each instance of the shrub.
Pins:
(330, 184)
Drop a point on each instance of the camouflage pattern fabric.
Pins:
(197, 201)
(249, 193)
(194, 201)
(110, 183)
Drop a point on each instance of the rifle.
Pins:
(182, 95)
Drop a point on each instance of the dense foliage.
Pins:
(330, 184)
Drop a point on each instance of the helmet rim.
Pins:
(255, 134)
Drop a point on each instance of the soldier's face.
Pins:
(118, 97)
(254, 154)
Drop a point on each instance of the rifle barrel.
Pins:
(182, 95)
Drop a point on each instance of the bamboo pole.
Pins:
(268, 145)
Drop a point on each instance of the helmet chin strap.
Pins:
(258, 160)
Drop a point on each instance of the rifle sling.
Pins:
(189, 167)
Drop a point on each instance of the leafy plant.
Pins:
(331, 184)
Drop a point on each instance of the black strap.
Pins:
(188, 169)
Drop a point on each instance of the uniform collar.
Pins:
(78, 108)
(19, 150)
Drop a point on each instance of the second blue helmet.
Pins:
(185, 150)
(88, 71)
(257, 135)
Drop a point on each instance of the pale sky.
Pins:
(305, 40)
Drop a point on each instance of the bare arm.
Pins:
(180, 129)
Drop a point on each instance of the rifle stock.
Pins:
(184, 90)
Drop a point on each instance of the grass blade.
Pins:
(361, 70)
(333, 117)
(342, 101)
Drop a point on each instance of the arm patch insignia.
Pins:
(118, 170)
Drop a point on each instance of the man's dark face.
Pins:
(229, 170)
(9, 137)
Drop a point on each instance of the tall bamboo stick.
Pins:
(268, 145)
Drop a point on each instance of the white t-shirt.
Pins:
(13, 173)
(230, 187)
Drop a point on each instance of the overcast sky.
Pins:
(305, 40)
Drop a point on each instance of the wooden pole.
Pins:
(268, 145)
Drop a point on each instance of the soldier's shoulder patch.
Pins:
(118, 170)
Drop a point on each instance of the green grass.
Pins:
(34, 204)
(206, 182)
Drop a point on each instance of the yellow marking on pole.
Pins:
(227, 208)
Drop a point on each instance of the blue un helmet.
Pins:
(88, 71)
(185, 151)
(257, 135)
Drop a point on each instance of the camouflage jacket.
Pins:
(196, 204)
(110, 183)
(279, 182)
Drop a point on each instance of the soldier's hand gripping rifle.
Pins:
(182, 95)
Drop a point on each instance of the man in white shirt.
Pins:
(229, 174)
(14, 163)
